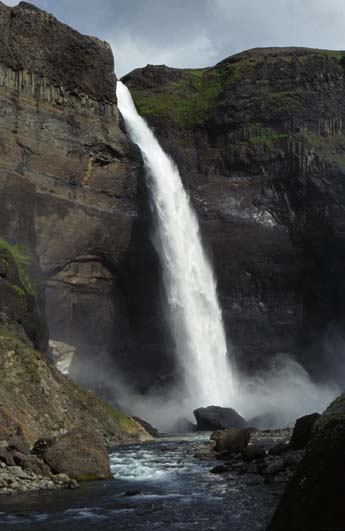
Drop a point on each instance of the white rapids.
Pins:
(194, 314)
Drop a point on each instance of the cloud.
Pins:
(194, 33)
(131, 52)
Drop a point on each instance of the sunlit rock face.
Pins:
(259, 141)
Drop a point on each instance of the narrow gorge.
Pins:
(171, 252)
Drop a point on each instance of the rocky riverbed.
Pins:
(167, 484)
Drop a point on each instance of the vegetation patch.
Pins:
(23, 259)
(188, 102)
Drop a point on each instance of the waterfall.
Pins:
(194, 314)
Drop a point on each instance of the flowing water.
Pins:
(194, 313)
(157, 486)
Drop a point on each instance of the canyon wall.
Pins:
(259, 140)
(72, 188)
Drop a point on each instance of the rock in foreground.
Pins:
(217, 418)
(303, 431)
(81, 454)
(314, 499)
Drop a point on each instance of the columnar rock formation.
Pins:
(69, 182)
(259, 140)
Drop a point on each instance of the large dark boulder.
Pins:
(303, 430)
(314, 498)
(79, 453)
(217, 418)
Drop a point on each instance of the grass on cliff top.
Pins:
(23, 259)
(187, 102)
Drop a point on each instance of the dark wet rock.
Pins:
(184, 425)
(79, 453)
(41, 446)
(292, 460)
(275, 467)
(278, 449)
(314, 498)
(253, 453)
(6, 457)
(230, 440)
(147, 426)
(219, 469)
(132, 492)
(303, 430)
(217, 418)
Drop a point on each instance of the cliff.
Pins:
(71, 188)
(68, 183)
(259, 141)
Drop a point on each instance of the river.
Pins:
(156, 486)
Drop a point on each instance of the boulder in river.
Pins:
(217, 418)
(79, 453)
(302, 431)
(231, 440)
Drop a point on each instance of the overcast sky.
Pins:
(196, 33)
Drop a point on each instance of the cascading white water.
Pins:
(195, 315)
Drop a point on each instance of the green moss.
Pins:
(188, 102)
(4, 332)
(23, 259)
(126, 423)
(330, 147)
(239, 69)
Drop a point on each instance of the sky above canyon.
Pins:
(197, 33)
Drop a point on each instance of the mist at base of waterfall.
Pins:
(283, 392)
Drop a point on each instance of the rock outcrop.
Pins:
(259, 140)
(314, 497)
(303, 430)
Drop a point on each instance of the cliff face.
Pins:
(70, 184)
(259, 140)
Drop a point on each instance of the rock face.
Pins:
(314, 496)
(217, 418)
(36, 400)
(71, 190)
(259, 140)
(303, 430)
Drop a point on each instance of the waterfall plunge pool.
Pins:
(157, 486)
